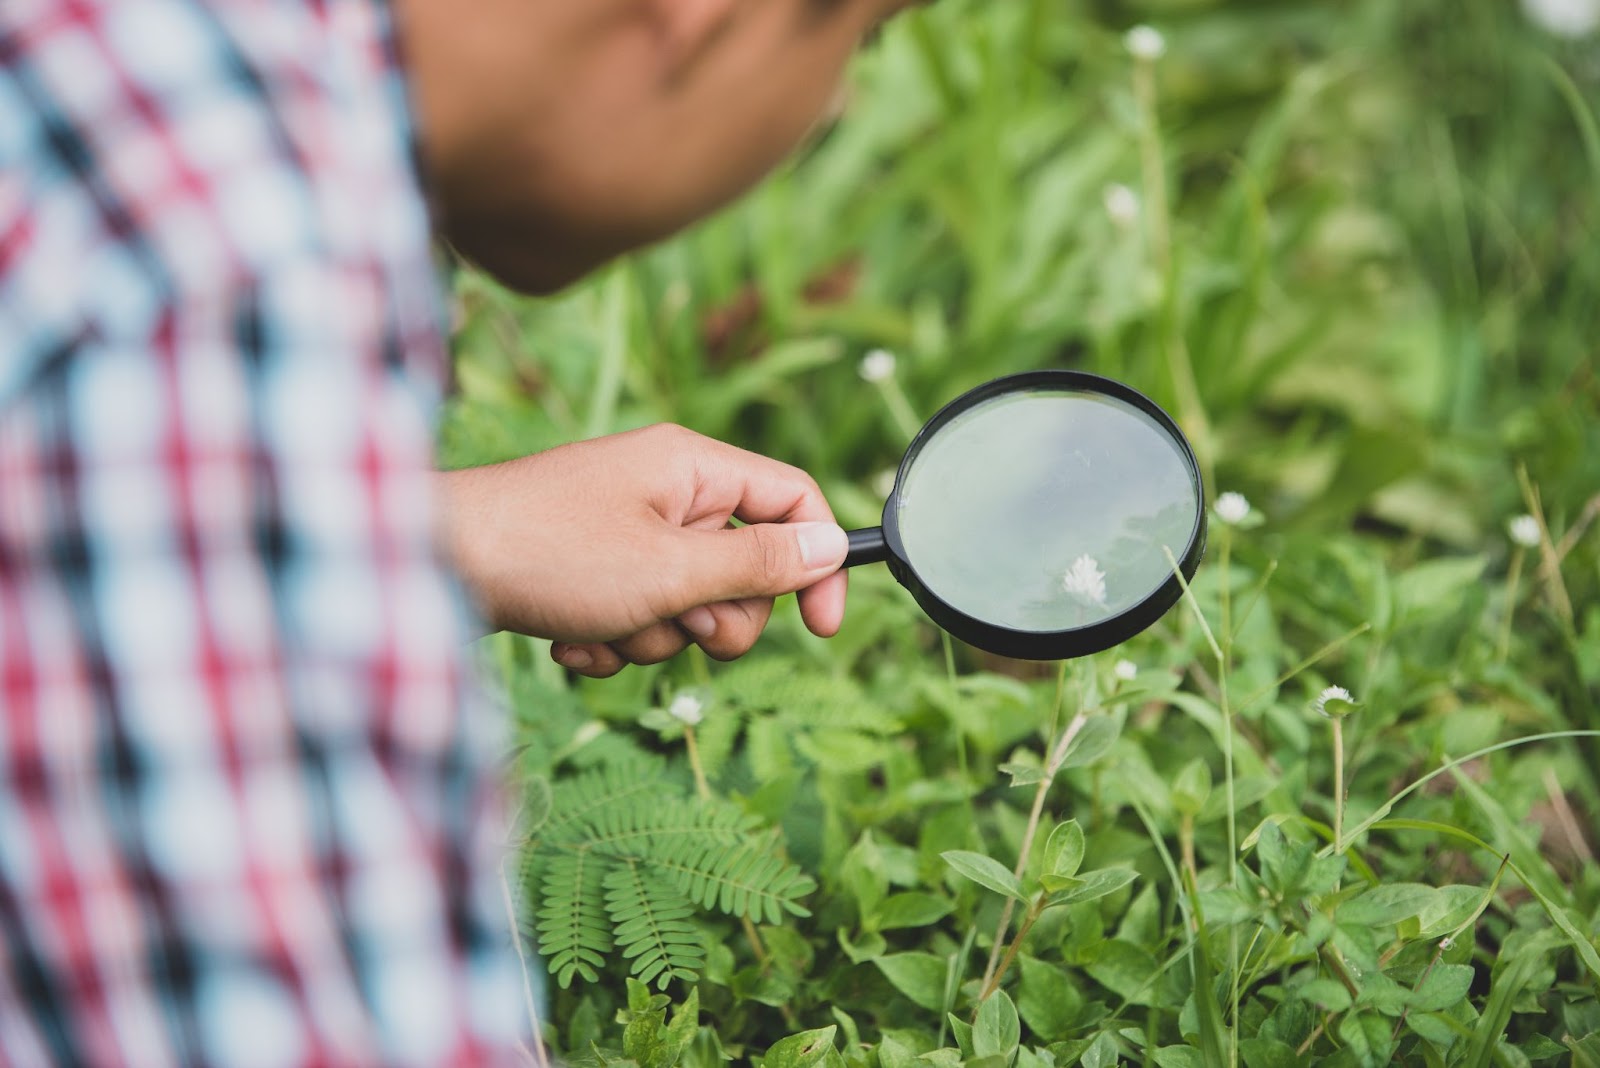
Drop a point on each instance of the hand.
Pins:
(620, 548)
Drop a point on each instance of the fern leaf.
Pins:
(580, 803)
(574, 934)
(743, 879)
(638, 829)
(652, 924)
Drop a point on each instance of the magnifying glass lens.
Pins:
(1047, 510)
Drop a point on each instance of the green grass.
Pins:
(1373, 300)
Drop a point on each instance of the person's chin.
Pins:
(518, 263)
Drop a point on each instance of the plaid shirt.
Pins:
(242, 803)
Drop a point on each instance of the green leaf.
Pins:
(1388, 904)
(863, 875)
(1063, 850)
(1452, 906)
(1268, 1053)
(911, 910)
(1126, 970)
(1330, 994)
(962, 1031)
(1284, 864)
(1179, 1057)
(803, 1050)
(1102, 1052)
(870, 947)
(680, 1032)
(1542, 1048)
(997, 1030)
(985, 871)
(919, 976)
(893, 1054)
(1095, 884)
(1367, 1037)
(1047, 999)
(1436, 1028)
(1098, 735)
(1055, 883)
(1023, 774)
(1380, 992)
(1192, 788)
(1431, 586)
(1445, 987)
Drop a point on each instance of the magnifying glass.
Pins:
(1033, 516)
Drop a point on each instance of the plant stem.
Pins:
(701, 787)
(1338, 786)
(894, 397)
(993, 983)
(1512, 578)
(1058, 753)
(1186, 844)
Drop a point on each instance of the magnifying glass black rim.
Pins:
(1054, 644)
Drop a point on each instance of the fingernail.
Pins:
(574, 658)
(699, 621)
(821, 544)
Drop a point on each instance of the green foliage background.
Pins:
(1365, 275)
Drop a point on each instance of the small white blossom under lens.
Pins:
(1085, 581)
(1332, 693)
(1232, 508)
(877, 366)
(1122, 205)
(1145, 42)
(1126, 670)
(1524, 531)
(686, 709)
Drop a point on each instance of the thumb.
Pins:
(759, 560)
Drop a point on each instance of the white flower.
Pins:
(1122, 204)
(1332, 693)
(1524, 531)
(1146, 42)
(1564, 18)
(1085, 581)
(877, 366)
(685, 708)
(1126, 670)
(1231, 508)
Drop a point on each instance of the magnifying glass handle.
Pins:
(866, 547)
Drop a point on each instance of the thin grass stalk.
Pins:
(1053, 760)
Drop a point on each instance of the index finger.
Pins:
(730, 481)
(758, 489)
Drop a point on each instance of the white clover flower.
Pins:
(877, 366)
(1524, 531)
(1564, 18)
(1146, 42)
(1232, 508)
(1126, 670)
(1332, 693)
(1122, 204)
(1085, 581)
(686, 709)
